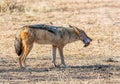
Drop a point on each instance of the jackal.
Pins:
(57, 36)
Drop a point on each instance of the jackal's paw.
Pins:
(53, 65)
(63, 65)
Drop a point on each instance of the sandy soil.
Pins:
(98, 63)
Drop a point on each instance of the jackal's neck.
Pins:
(73, 36)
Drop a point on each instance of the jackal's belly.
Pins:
(42, 41)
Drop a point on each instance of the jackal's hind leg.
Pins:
(20, 62)
(54, 55)
(27, 48)
(60, 49)
(22, 58)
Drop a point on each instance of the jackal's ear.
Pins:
(51, 23)
(75, 29)
(71, 26)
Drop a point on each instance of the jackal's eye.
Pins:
(80, 35)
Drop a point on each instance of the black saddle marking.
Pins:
(52, 29)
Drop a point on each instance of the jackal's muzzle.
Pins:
(87, 41)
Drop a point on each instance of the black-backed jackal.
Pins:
(57, 36)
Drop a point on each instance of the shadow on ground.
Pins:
(9, 70)
(81, 68)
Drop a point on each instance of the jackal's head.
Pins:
(82, 36)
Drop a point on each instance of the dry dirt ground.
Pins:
(99, 63)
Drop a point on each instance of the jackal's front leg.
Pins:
(60, 49)
(54, 55)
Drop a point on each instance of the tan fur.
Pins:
(27, 36)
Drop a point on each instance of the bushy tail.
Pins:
(18, 46)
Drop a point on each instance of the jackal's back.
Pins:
(45, 34)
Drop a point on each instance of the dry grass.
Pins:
(91, 65)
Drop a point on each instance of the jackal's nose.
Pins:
(87, 41)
